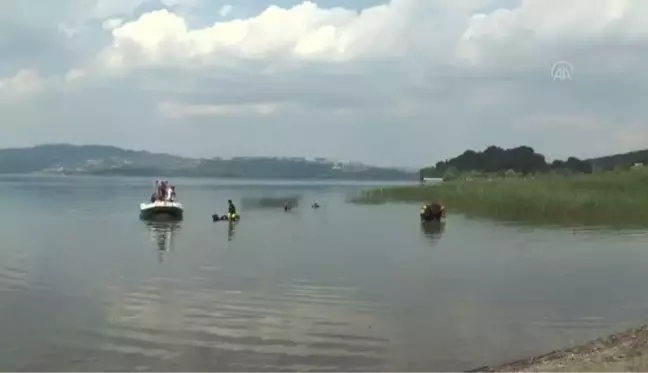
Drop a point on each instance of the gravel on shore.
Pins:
(621, 352)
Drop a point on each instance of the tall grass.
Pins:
(615, 197)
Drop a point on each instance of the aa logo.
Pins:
(562, 70)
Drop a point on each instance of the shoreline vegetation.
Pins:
(604, 198)
(499, 184)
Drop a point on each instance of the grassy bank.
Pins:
(615, 197)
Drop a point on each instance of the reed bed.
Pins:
(615, 197)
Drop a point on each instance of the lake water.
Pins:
(85, 285)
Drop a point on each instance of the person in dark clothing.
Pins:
(157, 191)
(432, 212)
(231, 211)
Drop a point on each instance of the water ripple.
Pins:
(293, 326)
(14, 271)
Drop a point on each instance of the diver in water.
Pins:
(231, 209)
(231, 213)
(425, 209)
(432, 212)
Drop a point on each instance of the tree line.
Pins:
(494, 159)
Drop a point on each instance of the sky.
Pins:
(397, 83)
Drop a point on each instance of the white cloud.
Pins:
(302, 31)
(111, 24)
(74, 75)
(67, 30)
(522, 34)
(107, 8)
(225, 10)
(400, 29)
(24, 83)
(470, 72)
(176, 110)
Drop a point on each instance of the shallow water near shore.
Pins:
(85, 285)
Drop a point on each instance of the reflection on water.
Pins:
(163, 235)
(231, 229)
(433, 230)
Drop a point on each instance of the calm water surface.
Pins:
(85, 285)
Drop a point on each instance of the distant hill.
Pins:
(108, 160)
(622, 160)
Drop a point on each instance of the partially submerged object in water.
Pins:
(270, 202)
(315, 205)
(432, 212)
(226, 217)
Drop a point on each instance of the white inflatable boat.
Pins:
(161, 209)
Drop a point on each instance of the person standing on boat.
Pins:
(173, 193)
(156, 193)
(163, 191)
(169, 192)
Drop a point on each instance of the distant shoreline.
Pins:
(619, 352)
(405, 182)
(95, 160)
